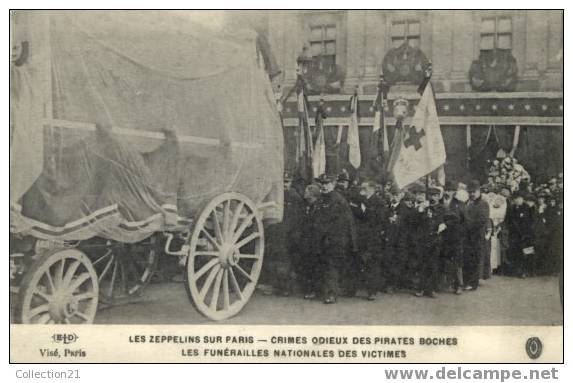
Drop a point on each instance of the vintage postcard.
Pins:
(331, 186)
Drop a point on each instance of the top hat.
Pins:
(474, 185)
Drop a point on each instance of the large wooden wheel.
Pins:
(225, 256)
(123, 270)
(60, 287)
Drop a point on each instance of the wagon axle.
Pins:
(229, 255)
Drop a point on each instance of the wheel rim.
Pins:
(123, 270)
(63, 290)
(226, 255)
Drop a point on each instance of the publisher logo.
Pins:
(533, 347)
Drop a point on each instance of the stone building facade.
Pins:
(496, 74)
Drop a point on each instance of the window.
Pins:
(323, 44)
(406, 31)
(496, 33)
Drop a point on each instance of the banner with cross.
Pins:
(422, 149)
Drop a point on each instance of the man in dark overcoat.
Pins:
(520, 224)
(394, 253)
(287, 234)
(309, 270)
(431, 223)
(370, 219)
(474, 239)
(452, 236)
(334, 237)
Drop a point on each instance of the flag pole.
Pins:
(427, 77)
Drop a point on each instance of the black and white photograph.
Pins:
(328, 168)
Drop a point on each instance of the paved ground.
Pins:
(499, 301)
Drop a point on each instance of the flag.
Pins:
(422, 148)
(379, 148)
(303, 134)
(319, 152)
(353, 139)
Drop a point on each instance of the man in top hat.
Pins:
(309, 271)
(520, 223)
(474, 239)
(370, 224)
(452, 236)
(349, 275)
(334, 236)
(394, 253)
(554, 224)
(415, 241)
(431, 222)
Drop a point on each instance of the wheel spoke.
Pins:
(249, 256)
(112, 282)
(226, 215)
(216, 289)
(246, 223)
(84, 296)
(102, 257)
(248, 239)
(44, 296)
(38, 310)
(236, 216)
(218, 232)
(210, 238)
(235, 284)
(247, 275)
(78, 281)
(59, 275)
(106, 268)
(70, 273)
(206, 267)
(209, 281)
(44, 318)
(122, 274)
(226, 289)
(82, 316)
(50, 281)
(207, 253)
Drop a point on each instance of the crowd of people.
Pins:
(341, 235)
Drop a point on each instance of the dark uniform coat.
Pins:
(394, 253)
(309, 264)
(370, 218)
(333, 226)
(334, 237)
(430, 220)
(520, 224)
(371, 223)
(452, 236)
(474, 242)
(283, 240)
